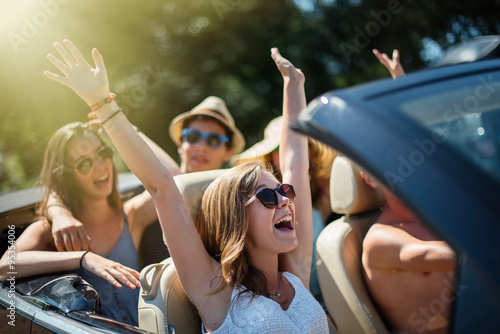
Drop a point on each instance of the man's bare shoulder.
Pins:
(400, 229)
(384, 232)
(384, 243)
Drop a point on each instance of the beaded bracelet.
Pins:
(107, 100)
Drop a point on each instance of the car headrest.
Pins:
(349, 193)
(192, 187)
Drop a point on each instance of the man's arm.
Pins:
(163, 156)
(141, 212)
(393, 248)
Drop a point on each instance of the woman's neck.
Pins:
(268, 266)
(95, 211)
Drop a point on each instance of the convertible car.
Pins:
(432, 137)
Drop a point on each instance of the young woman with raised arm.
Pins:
(249, 270)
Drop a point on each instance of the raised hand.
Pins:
(91, 84)
(393, 65)
(288, 71)
(294, 164)
(113, 272)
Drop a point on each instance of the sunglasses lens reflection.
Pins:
(269, 198)
(287, 191)
(105, 153)
(194, 136)
(85, 164)
(214, 141)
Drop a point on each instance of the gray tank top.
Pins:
(118, 303)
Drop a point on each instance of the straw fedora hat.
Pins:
(214, 107)
(272, 136)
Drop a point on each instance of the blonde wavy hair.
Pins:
(223, 224)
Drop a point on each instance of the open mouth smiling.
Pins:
(284, 222)
(101, 180)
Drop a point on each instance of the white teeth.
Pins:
(283, 219)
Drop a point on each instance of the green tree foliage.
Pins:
(164, 57)
(353, 28)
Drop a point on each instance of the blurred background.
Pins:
(165, 56)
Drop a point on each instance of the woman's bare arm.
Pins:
(33, 257)
(294, 164)
(195, 267)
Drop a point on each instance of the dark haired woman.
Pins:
(78, 170)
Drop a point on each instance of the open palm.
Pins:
(287, 69)
(91, 84)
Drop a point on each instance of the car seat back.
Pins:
(339, 249)
(163, 303)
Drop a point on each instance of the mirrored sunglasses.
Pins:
(268, 197)
(213, 140)
(85, 164)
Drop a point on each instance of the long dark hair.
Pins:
(57, 176)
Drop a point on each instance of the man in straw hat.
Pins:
(206, 136)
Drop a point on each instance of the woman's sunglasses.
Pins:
(213, 140)
(268, 197)
(85, 164)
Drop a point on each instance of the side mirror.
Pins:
(67, 292)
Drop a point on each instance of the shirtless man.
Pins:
(410, 272)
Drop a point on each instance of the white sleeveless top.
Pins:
(263, 315)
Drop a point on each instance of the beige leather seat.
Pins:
(163, 305)
(162, 300)
(339, 251)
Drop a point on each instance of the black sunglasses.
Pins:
(85, 164)
(213, 140)
(268, 197)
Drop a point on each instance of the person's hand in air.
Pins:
(91, 84)
(393, 65)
